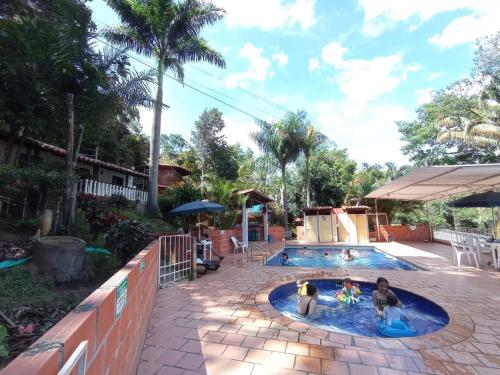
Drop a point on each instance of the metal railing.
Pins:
(104, 189)
(453, 236)
(176, 257)
(256, 248)
(78, 358)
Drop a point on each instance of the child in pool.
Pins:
(392, 311)
(308, 303)
(379, 296)
(284, 259)
(346, 255)
(350, 291)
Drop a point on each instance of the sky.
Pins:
(355, 66)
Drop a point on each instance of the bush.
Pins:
(127, 238)
(118, 202)
(173, 197)
(26, 226)
(101, 267)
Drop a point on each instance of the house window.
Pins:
(115, 180)
(83, 172)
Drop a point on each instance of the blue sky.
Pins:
(356, 66)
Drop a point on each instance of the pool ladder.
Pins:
(258, 251)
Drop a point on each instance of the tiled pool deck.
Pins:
(223, 324)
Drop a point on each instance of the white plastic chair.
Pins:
(207, 245)
(238, 245)
(480, 246)
(461, 249)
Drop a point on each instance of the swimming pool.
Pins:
(424, 315)
(314, 256)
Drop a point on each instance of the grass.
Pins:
(156, 224)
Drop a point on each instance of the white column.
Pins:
(244, 224)
(266, 223)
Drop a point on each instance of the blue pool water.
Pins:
(360, 320)
(364, 257)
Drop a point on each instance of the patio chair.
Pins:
(479, 245)
(460, 249)
(239, 245)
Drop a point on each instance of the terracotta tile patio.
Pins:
(223, 323)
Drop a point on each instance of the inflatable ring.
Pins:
(398, 328)
(341, 297)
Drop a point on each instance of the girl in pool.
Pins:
(379, 296)
(307, 304)
(284, 259)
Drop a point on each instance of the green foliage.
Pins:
(127, 238)
(21, 288)
(42, 175)
(172, 145)
(26, 226)
(4, 347)
(174, 196)
(99, 267)
(118, 202)
(157, 224)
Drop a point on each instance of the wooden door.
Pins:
(343, 223)
(362, 228)
(311, 230)
(325, 228)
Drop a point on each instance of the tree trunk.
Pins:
(308, 184)
(284, 197)
(152, 209)
(68, 214)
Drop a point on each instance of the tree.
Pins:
(282, 141)
(170, 32)
(207, 139)
(172, 145)
(312, 138)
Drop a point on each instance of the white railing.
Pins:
(452, 235)
(104, 189)
(78, 358)
(176, 258)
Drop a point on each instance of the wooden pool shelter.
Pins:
(254, 197)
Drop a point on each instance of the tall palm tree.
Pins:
(312, 139)
(283, 141)
(169, 31)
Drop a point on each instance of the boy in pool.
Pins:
(379, 296)
(350, 291)
(392, 311)
(347, 255)
(307, 304)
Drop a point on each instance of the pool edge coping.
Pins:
(456, 331)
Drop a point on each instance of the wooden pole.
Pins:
(376, 221)
(429, 222)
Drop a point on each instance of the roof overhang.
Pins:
(438, 182)
(256, 196)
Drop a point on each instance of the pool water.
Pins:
(359, 319)
(364, 257)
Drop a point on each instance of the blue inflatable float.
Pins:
(398, 328)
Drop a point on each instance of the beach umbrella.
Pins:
(488, 199)
(196, 207)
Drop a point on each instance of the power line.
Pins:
(201, 85)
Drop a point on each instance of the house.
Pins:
(97, 177)
(168, 174)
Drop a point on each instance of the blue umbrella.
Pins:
(196, 207)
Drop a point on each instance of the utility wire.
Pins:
(203, 86)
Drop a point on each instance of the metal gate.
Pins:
(176, 257)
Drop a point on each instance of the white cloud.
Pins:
(281, 58)
(313, 64)
(269, 14)
(237, 130)
(434, 76)
(467, 29)
(333, 53)
(257, 71)
(369, 132)
(383, 15)
(424, 95)
(362, 80)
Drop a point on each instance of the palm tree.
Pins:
(283, 141)
(169, 31)
(312, 139)
(481, 126)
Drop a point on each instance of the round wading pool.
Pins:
(424, 315)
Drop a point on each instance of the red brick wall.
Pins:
(222, 241)
(115, 344)
(278, 233)
(403, 233)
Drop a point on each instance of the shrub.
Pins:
(173, 197)
(127, 238)
(4, 349)
(118, 202)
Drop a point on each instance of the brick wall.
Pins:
(115, 343)
(403, 233)
(222, 241)
(278, 233)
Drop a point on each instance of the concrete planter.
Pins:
(60, 259)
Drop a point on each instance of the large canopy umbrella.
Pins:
(488, 199)
(196, 207)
